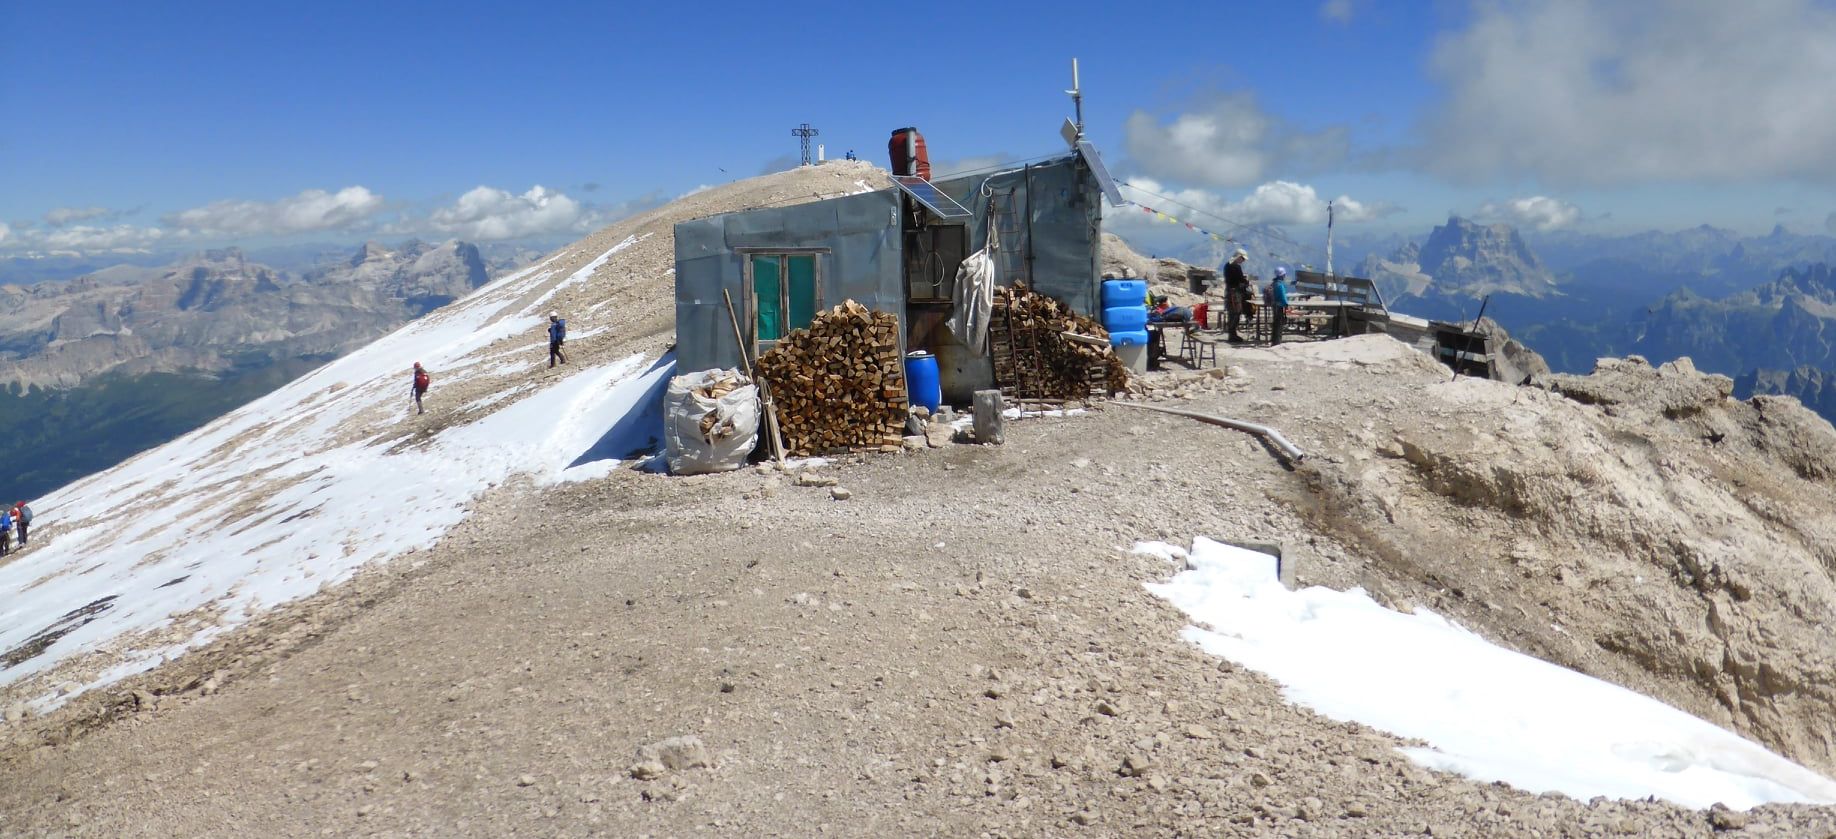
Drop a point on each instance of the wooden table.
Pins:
(1337, 308)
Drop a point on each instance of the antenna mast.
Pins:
(1329, 239)
(805, 132)
(1077, 98)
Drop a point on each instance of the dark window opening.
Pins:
(932, 256)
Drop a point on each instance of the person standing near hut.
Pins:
(1278, 305)
(1236, 292)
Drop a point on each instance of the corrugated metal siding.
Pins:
(862, 264)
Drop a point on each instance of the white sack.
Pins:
(974, 302)
(732, 435)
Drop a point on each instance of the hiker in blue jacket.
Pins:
(6, 531)
(1278, 304)
(557, 333)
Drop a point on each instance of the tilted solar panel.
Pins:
(933, 199)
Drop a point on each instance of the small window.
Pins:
(786, 292)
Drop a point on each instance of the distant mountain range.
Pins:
(100, 366)
(1761, 309)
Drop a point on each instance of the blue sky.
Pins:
(178, 124)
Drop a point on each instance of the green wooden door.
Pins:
(786, 293)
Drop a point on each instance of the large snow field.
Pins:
(303, 487)
(1487, 712)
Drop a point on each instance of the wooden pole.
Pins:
(771, 411)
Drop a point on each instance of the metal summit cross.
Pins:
(805, 132)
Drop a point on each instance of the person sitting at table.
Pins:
(1277, 299)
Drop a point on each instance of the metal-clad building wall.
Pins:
(860, 233)
(1060, 207)
(1055, 203)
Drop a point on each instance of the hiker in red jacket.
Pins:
(22, 519)
(421, 381)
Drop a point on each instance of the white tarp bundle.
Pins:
(974, 302)
(710, 421)
(975, 282)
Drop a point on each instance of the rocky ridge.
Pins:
(216, 310)
(1815, 388)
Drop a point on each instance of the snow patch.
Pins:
(1489, 713)
(280, 498)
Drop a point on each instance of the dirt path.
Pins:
(962, 648)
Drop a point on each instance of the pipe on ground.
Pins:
(1274, 437)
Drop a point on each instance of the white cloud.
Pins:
(1599, 92)
(61, 216)
(1829, 224)
(84, 238)
(5, 232)
(1338, 11)
(309, 211)
(1279, 203)
(488, 214)
(1537, 211)
(1286, 202)
(1227, 142)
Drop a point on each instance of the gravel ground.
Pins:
(963, 647)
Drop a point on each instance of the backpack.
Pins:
(25, 514)
(422, 380)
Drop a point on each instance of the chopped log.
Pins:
(839, 384)
(1044, 350)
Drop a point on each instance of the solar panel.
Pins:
(1095, 162)
(933, 199)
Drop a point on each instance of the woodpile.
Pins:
(1035, 358)
(723, 383)
(839, 385)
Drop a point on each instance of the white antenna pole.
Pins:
(1329, 239)
(1077, 98)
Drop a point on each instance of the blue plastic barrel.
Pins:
(1128, 339)
(1125, 318)
(1124, 293)
(922, 385)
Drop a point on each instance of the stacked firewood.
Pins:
(839, 385)
(1035, 357)
(723, 383)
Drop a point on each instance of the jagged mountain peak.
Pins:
(370, 251)
(1463, 258)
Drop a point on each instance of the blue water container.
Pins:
(1124, 293)
(1125, 318)
(922, 385)
(1128, 339)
